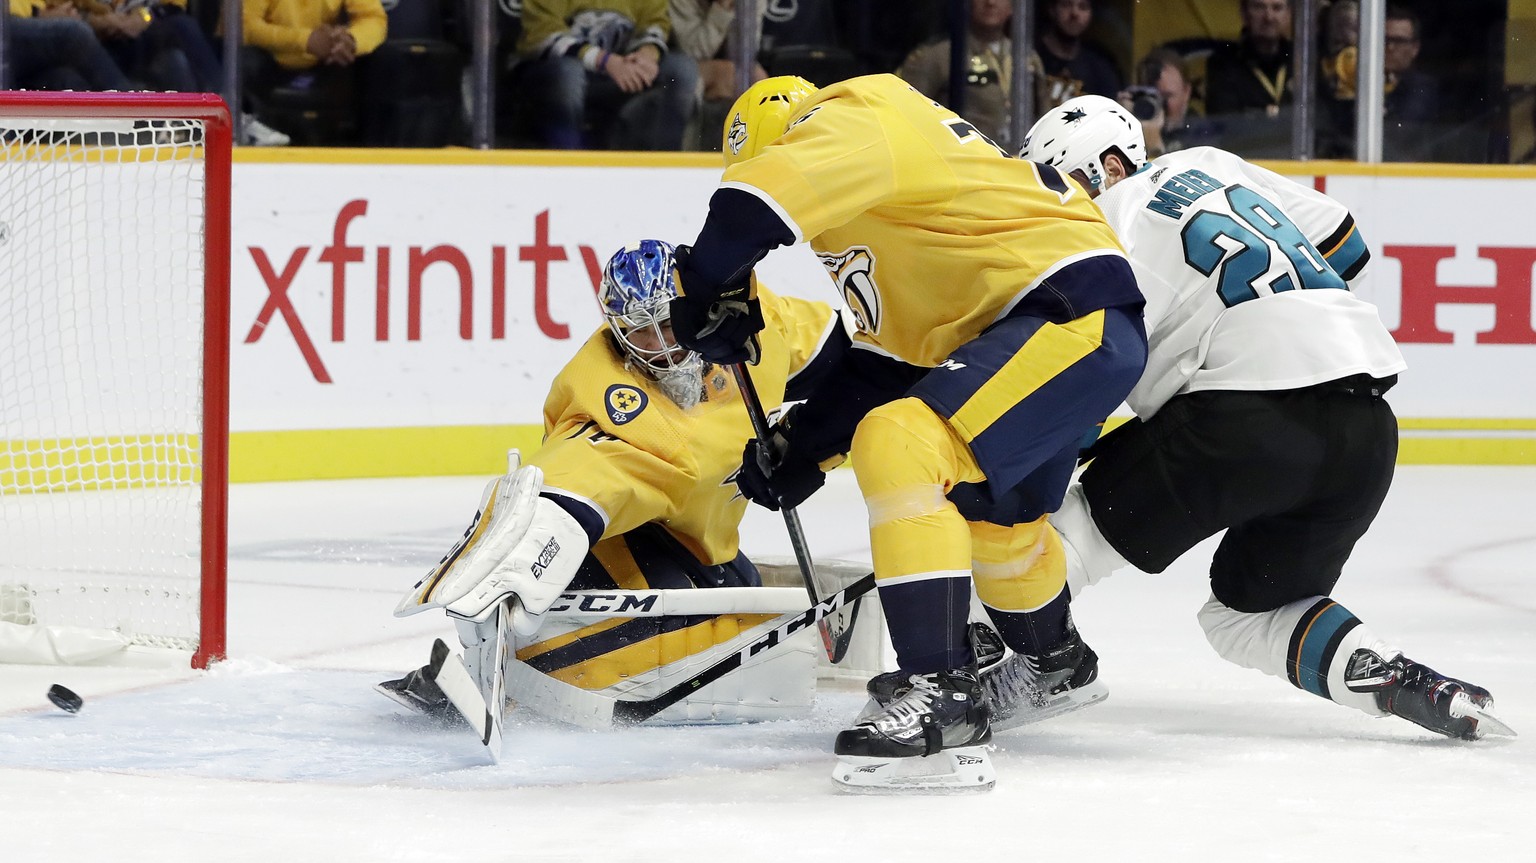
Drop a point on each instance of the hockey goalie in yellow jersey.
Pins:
(633, 489)
(998, 322)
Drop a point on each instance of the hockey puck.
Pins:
(64, 699)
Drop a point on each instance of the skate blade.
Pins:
(1464, 707)
(1076, 699)
(962, 770)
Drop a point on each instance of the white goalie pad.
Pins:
(634, 645)
(518, 545)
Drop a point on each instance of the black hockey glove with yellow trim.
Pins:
(774, 474)
(722, 325)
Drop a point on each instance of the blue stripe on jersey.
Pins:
(911, 609)
(1314, 644)
(1345, 250)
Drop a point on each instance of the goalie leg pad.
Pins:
(519, 544)
(640, 657)
(964, 769)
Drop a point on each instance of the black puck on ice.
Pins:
(64, 699)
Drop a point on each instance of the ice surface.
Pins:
(286, 754)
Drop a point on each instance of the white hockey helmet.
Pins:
(1075, 135)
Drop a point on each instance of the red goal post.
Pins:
(114, 376)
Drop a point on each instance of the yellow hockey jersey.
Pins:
(930, 231)
(614, 441)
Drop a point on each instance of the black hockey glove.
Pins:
(721, 325)
(773, 474)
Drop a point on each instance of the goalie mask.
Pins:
(1075, 135)
(636, 290)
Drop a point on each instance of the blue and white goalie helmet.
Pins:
(1075, 135)
(634, 295)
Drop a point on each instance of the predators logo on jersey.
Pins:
(625, 402)
(853, 270)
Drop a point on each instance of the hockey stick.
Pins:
(836, 630)
(559, 700)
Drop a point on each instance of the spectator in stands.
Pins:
(310, 46)
(1341, 26)
(987, 69)
(1073, 66)
(1410, 103)
(598, 73)
(155, 42)
(1161, 101)
(1411, 94)
(1253, 74)
(704, 30)
(52, 48)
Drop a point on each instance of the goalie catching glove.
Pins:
(519, 546)
(722, 325)
(775, 473)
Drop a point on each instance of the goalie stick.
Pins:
(567, 703)
(484, 711)
(836, 629)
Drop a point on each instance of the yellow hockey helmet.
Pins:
(761, 115)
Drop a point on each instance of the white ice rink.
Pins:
(286, 755)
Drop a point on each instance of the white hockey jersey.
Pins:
(1246, 276)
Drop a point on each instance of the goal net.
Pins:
(114, 249)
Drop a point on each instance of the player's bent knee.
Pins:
(1017, 568)
(903, 444)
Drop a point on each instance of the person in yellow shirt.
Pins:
(998, 322)
(637, 472)
(52, 48)
(307, 44)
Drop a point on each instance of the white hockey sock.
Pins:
(1090, 557)
(1307, 642)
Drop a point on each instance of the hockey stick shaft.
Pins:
(759, 419)
(836, 633)
(556, 699)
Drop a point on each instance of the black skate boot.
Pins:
(418, 690)
(1025, 689)
(1423, 696)
(891, 685)
(942, 710)
(1022, 689)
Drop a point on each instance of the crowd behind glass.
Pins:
(1263, 78)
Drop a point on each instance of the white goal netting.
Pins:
(101, 386)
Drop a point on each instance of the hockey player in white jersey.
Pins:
(1260, 412)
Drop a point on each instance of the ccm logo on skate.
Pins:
(967, 759)
(546, 555)
(604, 602)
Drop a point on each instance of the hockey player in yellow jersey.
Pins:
(997, 322)
(635, 480)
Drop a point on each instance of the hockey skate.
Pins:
(930, 738)
(418, 691)
(1425, 697)
(1022, 689)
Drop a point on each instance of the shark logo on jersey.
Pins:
(624, 403)
(854, 272)
(737, 137)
